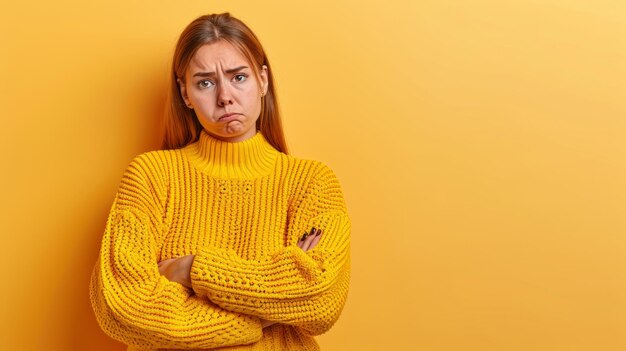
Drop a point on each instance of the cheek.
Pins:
(253, 99)
(256, 107)
(253, 96)
(204, 104)
(201, 98)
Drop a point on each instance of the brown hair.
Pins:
(180, 124)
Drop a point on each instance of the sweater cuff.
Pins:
(199, 272)
(220, 274)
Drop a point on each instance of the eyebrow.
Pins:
(209, 74)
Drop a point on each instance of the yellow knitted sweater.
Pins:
(240, 208)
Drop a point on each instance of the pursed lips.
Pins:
(227, 115)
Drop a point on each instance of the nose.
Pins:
(224, 96)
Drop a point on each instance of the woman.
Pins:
(222, 239)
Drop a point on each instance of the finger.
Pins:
(302, 239)
(309, 239)
(162, 269)
(166, 261)
(307, 242)
(315, 240)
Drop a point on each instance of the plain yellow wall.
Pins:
(480, 144)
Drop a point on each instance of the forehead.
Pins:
(220, 54)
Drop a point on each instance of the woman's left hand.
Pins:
(177, 269)
(310, 240)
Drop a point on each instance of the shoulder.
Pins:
(302, 166)
(152, 167)
(145, 182)
(155, 157)
(313, 172)
(154, 161)
(320, 189)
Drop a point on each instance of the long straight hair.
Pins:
(180, 123)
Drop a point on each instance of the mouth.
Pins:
(227, 115)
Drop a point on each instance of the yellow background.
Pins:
(481, 146)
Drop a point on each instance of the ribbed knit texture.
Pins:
(241, 209)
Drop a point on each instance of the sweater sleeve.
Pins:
(133, 302)
(304, 289)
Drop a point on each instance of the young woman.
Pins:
(222, 239)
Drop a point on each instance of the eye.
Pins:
(205, 83)
(240, 77)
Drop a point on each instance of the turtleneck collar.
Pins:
(251, 158)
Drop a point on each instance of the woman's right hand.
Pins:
(309, 240)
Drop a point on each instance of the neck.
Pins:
(250, 158)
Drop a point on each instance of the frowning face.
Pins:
(222, 89)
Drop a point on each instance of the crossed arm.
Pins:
(178, 269)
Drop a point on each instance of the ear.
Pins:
(183, 92)
(264, 80)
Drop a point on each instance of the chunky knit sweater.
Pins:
(240, 208)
